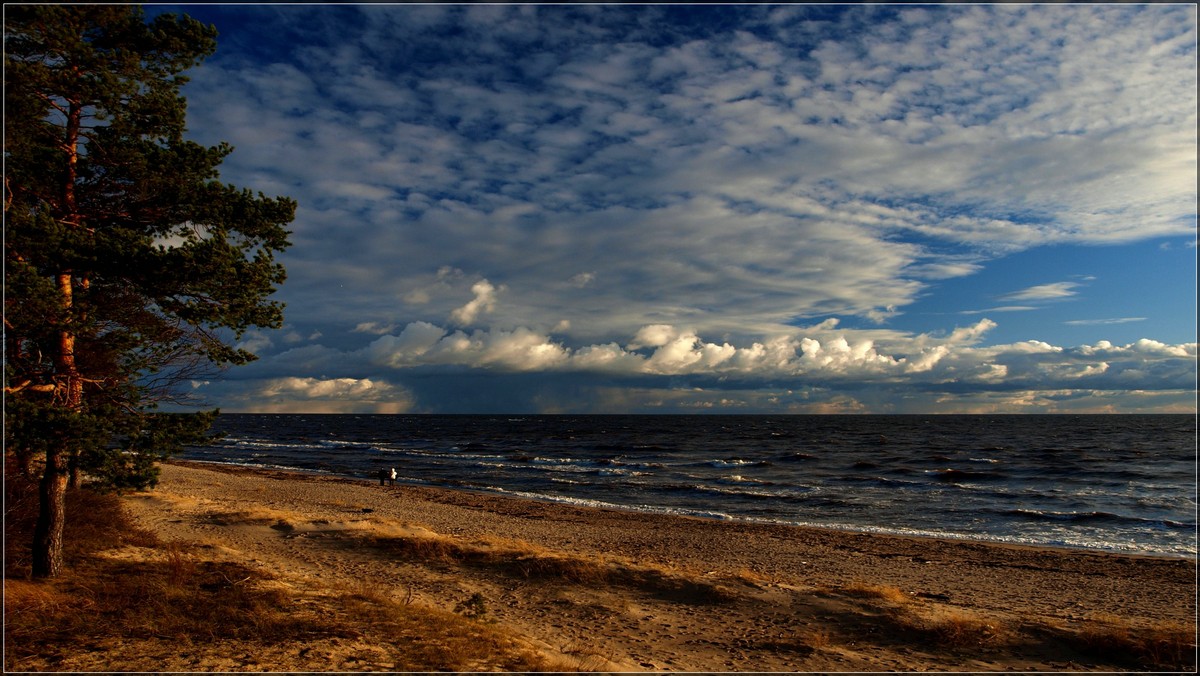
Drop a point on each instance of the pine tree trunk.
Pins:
(48, 533)
(52, 512)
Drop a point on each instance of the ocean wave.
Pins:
(587, 502)
(882, 481)
(344, 445)
(796, 456)
(737, 462)
(1094, 517)
(274, 445)
(739, 479)
(555, 467)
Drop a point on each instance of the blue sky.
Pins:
(743, 209)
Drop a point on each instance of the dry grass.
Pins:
(750, 578)
(418, 638)
(1105, 637)
(1164, 645)
(177, 599)
(173, 598)
(520, 559)
(873, 590)
(929, 626)
(582, 656)
(958, 629)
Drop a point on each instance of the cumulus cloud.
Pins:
(483, 302)
(810, 370)
(308, 394)
(655, 335)
(826, 353)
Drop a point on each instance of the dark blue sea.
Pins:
(1105, 482)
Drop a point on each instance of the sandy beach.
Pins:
(675, 593)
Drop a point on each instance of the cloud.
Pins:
(655, 335)
(669, 198)
(1001, 308)
(597, 142)
(1104, 322)
(373, 327)
(483, 302)
(306, 394)
(1055, 291)
(582, 279)
(818, 368)
(255, 342)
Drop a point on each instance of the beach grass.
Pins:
(123, 586)
(875, 590)
(1103, 637)
(524, 560)
(1108, 636)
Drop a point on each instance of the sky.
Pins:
(715, 209)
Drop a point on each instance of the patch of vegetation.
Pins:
(1106, 638)
(954, 629)
(170, 594)
(529, 561)
(874, 590)
(1164, 645)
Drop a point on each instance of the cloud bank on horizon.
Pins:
(742, 209)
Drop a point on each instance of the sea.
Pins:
(1116, 483)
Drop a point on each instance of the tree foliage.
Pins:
(129, 267)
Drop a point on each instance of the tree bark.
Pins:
(52, 513)
(48, 533)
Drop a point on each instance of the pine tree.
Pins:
(128, 264)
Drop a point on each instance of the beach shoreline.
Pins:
(317, 475)
(867, 596)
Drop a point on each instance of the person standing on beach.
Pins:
(383, 476)
(393, 476)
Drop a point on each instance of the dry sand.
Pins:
(792, 599)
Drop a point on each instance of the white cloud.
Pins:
(417, 339)
(483, 302)
(885, 369)
(255, 342)
(1104, 322)
(1055, 291)
(824, 353)
(694, 195)
(306, 394)
(1001, 308)
(655, 335)
(374, 327)
(987, 144)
